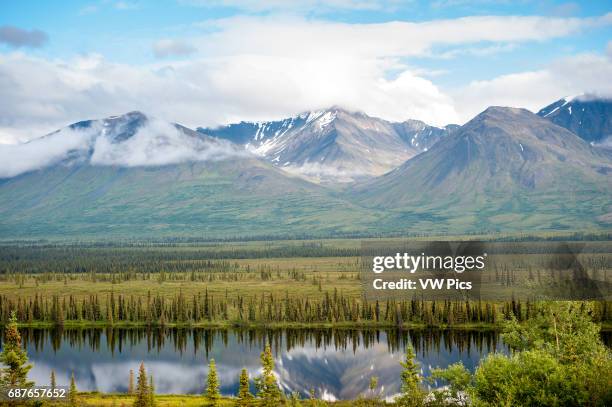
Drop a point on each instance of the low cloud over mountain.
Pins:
(126, 141)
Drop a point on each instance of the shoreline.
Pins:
(268, 325)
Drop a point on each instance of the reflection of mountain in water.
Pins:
(338, 364)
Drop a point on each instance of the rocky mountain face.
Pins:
(503, 165)
(588, 116)
(333, 145)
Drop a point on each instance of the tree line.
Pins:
(557, 358)
(333, 307)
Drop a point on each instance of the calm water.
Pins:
(338, 364)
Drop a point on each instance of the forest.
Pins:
(559, 351)
(278, 283)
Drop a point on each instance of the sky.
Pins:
(207, 63)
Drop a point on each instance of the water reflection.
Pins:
(338, 364)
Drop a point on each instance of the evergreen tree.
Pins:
(131, 382)
(152, 402)
(142, 388)
(72, 393)
(212, 383)
(412, 394)
(244, 394)
(53, 383)
(14, 358)
(267, 387)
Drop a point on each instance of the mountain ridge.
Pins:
(505, 164)
(334, 144)
(133, 175)
(588, 116)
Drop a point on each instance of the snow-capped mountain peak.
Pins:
(334, 143)
(588, 116)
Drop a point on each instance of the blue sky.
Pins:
(211, 62)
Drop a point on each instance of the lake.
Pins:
(337, 363)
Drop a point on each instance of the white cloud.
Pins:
(155, 143)
(159, 143)
(39, 153)
(584, 73)
(260, 68)
(169, 48)
(286, 36)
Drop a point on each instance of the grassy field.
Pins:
(326, 270)
(171, 400)
(230, 277)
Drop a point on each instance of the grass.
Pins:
(333, 272)
(171, 400)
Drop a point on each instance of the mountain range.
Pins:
(333, 145)
(324, 173)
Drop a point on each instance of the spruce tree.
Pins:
(212, 383)
(152, 402)
(267, 387)
(131, 382)
(14, 358)
(142, 388)
(244, 394)
(411, 393)
(53, 383)
(72, 393)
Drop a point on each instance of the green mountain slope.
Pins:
(507, 169)
(236, 197)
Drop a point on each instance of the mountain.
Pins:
(504, 169)
(133, 175)
(333, 145)
(587, 116)
(138, 177)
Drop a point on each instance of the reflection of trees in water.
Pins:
(336, 362)
(117, 339)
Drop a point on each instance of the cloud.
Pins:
(155, 143)
(17, 37)
(39, 153)
(172, 48)
(270, 67)
(583, 73)
(287, 36)
(159, 143)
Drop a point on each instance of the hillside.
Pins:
(505, 169)
(131, 176)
